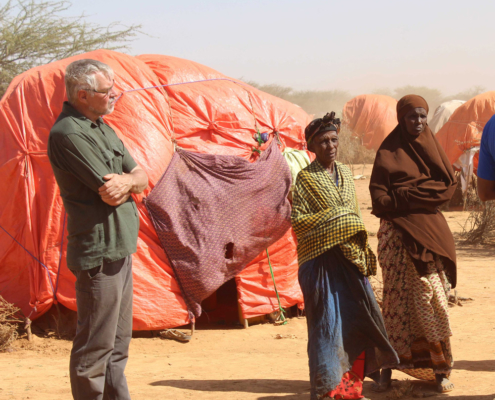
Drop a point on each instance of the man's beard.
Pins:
(107, 111)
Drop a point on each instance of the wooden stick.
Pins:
(28, 329)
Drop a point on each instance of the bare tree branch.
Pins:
(32, 33)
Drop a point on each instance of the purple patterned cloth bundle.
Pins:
(214, 214)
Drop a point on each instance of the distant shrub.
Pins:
(351, 151)
(314, 102)
(480, 225)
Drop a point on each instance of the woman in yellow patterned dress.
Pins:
(346, 335)
(411, 179)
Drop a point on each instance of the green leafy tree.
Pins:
(34, 32)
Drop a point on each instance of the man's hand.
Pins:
(117, 189)
(117, 202)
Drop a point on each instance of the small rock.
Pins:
(279, 336)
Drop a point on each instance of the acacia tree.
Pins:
(34, 32)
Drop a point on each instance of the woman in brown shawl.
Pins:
(411, 179)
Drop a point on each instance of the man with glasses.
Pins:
(96, 176)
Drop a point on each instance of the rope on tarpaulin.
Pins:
(182, 83)
(32, 255)
(280, 308)
(241, 84)
(50, 281)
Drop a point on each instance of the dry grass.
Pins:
(351, 151)
(401, 390)
(470, 201)
(480, 225)
(9, 320)
(377, 286)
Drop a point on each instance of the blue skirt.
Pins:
(344, 320)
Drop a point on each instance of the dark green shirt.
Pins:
(81, 153)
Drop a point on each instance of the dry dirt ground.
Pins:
(253, 364)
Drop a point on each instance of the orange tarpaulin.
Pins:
(216, 117)
(371, 117)
(464, 128)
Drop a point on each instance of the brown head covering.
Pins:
(409, 102)
(320, 125)
(412, 177)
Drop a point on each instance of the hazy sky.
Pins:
(314, 44)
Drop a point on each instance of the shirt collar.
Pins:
(69, 110)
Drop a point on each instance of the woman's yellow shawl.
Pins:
(324, 216)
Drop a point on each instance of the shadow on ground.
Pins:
(286, 397)
(419, 389)
(299, 389)
(481, 365)
(470, 251)
(278, 389)
(468, 397)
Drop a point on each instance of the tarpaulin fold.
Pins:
(463, 129)
(370, 117)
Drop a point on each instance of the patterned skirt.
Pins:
(415, 308)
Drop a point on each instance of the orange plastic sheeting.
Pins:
(371, 117)
(221, 117)
(255, 285)
(214, 117)
(464, 128)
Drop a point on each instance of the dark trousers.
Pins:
(104, 328)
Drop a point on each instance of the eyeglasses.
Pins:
(104, 92)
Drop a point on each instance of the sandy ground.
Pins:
(252, 363)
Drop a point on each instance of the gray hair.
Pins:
(80, 75)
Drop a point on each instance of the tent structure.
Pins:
(443, 113)
(371, 117)
(460, 136)
(164, 101)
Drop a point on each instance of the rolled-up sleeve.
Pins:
(128, 163)
(83, 159)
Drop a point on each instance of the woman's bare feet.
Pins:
(443, 384)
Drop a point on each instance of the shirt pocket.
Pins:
(113, 158)
(117, 160)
